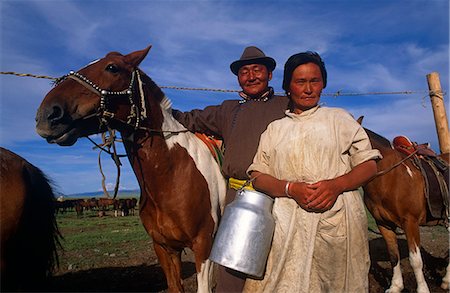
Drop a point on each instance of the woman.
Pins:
(313, 162)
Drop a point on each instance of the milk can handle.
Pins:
(240, 190)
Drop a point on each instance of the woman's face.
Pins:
(306, 87)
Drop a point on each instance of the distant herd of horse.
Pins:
(121, 207)
(182, 189)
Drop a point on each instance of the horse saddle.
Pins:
(435, 172)
(214, 145)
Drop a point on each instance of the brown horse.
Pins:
(29, 234)
(182, 189)
(397, 199)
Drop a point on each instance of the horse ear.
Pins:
(136, 58)
(360, 119)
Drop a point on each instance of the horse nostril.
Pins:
(56, 114)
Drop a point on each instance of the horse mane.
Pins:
(166, 104)
(155, 90)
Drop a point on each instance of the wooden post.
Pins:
(440, 116)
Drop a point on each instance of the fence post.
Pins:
(440, 116)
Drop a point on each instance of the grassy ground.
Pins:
(115, 254)
(90, 240)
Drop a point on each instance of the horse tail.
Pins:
(38, 229)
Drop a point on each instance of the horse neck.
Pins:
(148, 149)
(383, 145)
(149, 96)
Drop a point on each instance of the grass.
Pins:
(95, 231)
(90, 241)
(371, 222)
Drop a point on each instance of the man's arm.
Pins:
(203, 121)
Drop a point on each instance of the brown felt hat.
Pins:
(253, 55)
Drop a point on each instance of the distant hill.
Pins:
(122, 194)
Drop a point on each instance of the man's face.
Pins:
(254, 79)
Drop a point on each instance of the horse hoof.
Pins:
(394, 289)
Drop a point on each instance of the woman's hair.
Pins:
(302, 58)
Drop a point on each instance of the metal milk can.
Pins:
(245, 233)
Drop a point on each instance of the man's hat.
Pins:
(253, 55)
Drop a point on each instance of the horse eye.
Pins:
(112, 68)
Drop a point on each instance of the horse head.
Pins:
(106, 93)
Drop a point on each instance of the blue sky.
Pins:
(368, 46)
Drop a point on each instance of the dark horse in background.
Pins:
(29, 235)
(182, 189)
(397, 199)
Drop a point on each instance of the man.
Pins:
(239, 123)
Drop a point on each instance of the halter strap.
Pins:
(137, 113)
(102, 112)
(96, 89)
(92, 88)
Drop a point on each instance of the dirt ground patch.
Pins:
(140, 271)
(435, 252)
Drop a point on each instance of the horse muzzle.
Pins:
(66, 136)
(53, 125)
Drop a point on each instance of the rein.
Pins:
(381, 173)
(104, 115)
(109, 142)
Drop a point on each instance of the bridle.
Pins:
(134, 119)
(137, 114)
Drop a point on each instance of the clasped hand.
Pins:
(317, 197)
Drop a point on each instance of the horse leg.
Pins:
(204, 277)
(203, 265)
(394, 257)
(170, 262)
(415, 258)
(446, 279)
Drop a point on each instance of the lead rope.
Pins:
(381, 173)
(108, 143)
(137, 113)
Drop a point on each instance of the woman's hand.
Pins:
(323, 194)
(300, 193)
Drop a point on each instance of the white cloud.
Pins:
(411, 116)
(74, 26)
(367, 47)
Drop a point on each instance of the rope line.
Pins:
(27, 75)
(336, 94)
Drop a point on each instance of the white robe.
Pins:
(315, 252)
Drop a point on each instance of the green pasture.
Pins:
(90, 241)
